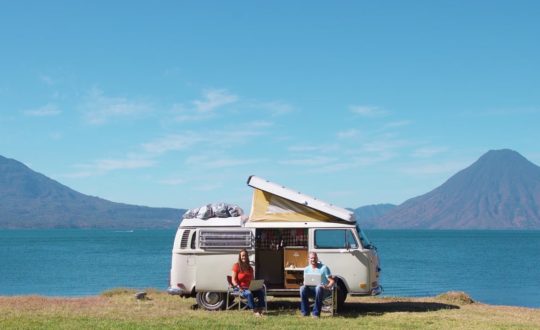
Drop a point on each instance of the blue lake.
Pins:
(494, 267)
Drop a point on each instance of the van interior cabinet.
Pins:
(281, 256)
(294, 262)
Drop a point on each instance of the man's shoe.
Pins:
(315, 316)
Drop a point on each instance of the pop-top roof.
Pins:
(272, 201)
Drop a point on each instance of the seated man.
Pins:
(327, 281)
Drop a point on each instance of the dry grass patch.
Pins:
(119, 309)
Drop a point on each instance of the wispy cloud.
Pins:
(189, 139)
(103, 166)
(44, 111)
(367, 110)
(99, 108)
(204, 108)
(213, 99)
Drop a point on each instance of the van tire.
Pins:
(341, 295)
(211, 301)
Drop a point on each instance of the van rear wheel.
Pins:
(211, 301)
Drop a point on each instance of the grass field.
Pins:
(118, 309)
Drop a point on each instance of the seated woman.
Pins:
(242, 274)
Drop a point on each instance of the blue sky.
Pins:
(176, 103)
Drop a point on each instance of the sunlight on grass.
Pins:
(119, 309)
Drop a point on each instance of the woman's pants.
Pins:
(250, 296)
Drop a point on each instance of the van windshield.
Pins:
(364, 239)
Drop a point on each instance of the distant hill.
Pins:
(368, 212)
(31, 200)
(501, 190)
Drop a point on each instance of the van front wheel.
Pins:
(211, 301)
(341, 295)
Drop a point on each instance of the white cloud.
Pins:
(99, 109)
(44, 111)
(213, 99)
(367, 110)
(225, 139)
(205, 108)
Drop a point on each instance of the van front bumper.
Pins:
(376, 291)
(176, 291)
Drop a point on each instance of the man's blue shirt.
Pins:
(321, 269)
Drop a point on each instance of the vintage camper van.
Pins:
(282, 227)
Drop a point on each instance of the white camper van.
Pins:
(278, 233)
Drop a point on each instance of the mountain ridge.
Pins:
(29, 199)
(501, 190)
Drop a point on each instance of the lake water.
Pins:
(495, 267)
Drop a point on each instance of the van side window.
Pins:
(225, 239)
(335, 239)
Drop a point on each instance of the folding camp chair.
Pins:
(329, 303)
(235, 298)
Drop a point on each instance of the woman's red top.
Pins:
(243, 278)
